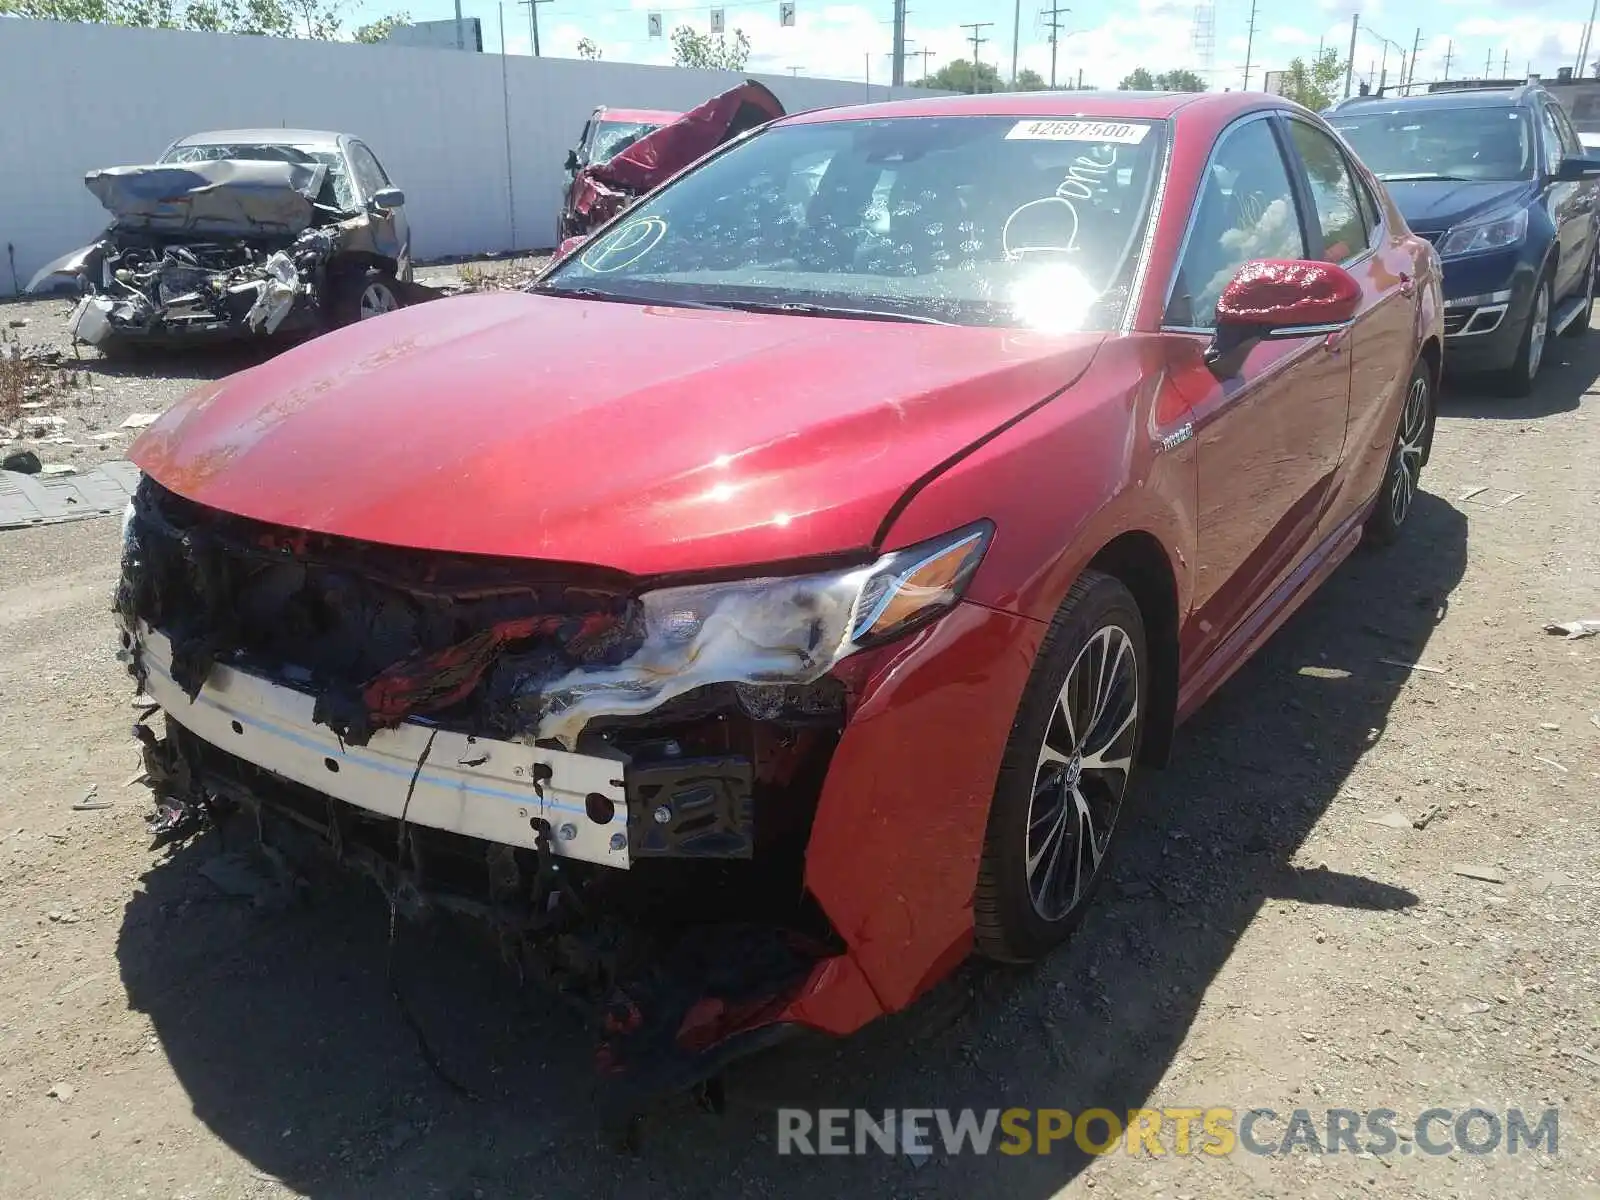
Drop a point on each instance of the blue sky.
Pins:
(1103, 38)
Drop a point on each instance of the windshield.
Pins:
(1443, 143)
(611, 138)
(342, 194)
(967, 220)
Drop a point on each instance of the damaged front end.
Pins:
(201, 250)
(620, 782)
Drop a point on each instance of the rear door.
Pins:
(1268, 440)
(1347, 228)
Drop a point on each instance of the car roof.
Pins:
(1107, 105)
(262, 137)
(644, 116)
(1465, 98)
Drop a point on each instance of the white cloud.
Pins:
(836, 40)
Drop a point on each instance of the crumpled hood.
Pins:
(224, 197)
(1434, 205)
(652, 440)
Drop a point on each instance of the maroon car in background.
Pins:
(637, 164)
(808, 559)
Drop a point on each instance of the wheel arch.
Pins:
(1138, 561)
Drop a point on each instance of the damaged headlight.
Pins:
(778, 631)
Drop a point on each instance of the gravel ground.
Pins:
(93, 395)
(1277, 929)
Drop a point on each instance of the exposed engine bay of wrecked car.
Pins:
(539, 747)
(207, 247)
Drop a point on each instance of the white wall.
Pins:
(76, 97)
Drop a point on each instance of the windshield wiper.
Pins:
(1426, 177)
(791, 308)
(592, 293)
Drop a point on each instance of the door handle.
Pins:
(1335, 341)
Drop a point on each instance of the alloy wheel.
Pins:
(1409, 451)
(1539, 330)
(377, 299)
(1082, 772)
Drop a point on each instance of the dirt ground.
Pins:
(1276, 930)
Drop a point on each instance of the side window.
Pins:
(1335, 192)
(1550, 136)
(1245, 210)
(1571, 143)
(367, 171)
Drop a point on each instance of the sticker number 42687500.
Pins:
(1122, 132)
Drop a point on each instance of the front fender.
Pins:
(71, 272)
(1102, 459)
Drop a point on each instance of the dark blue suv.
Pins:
(1497, 179)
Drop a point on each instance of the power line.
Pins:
(977, 40)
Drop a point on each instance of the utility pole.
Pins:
(1054, 24)
(898, 74)
(1583, 46)
(1505, 65)
(1416, 48)
(461, 39)
(1249, 46)
(794, 72)
(1350, 63)
(533, 22)
(1016, 40)
(977, 39)
(1488, 62)
(926, 55)
(1449, 53)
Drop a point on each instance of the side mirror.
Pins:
(387, 198)
(1278, 298)
(572, 160)
(1576, 170)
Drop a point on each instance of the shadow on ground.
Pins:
(285, 1033)
(1570, 368)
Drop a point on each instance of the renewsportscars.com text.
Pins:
(1155, 1132)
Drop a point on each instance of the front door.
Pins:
(1269, 439)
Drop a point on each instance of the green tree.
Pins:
(588, 48)
(691, 48)
(1179, 80)
(1028, 80)
(958, 76)
(1317, 85)
(379, 30)
(322, 20)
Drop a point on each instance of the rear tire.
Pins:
(1064, 777)
(1411, 443)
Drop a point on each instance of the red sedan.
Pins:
(786, 585)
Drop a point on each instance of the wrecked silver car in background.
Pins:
(239, 233)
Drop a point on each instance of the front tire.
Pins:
(1065, 774)
(1410, 452)
(1518, 381)
(362, 295)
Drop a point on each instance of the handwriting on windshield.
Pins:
(1050, 224)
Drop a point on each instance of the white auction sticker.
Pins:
(1123, 132)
